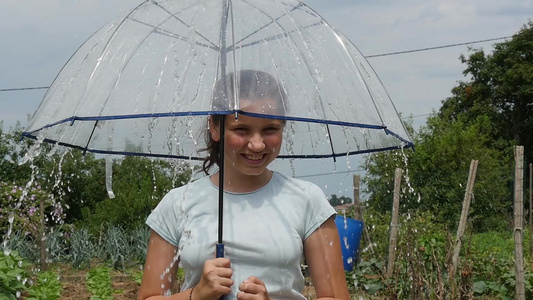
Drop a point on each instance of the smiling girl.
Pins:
(270, 221)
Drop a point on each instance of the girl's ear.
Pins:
(214, 129)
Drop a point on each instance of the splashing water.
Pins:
(32, 153)
(407, 178)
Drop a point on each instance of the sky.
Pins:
(39, 36)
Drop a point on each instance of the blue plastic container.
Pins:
(350, 232)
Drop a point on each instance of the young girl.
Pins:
(270, 221)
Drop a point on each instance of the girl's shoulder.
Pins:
(297, 185)
(195, 187)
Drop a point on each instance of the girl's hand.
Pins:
(216, 280)
(253, 289)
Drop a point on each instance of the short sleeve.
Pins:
(166, 217)
(318, 209)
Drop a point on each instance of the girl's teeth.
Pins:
(254, 157)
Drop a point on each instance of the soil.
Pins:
(124, 286)
(74, 288)
(125, 290)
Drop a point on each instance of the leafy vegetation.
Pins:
(99, 283)
(13, 275)
(47, 287)
(423, 260)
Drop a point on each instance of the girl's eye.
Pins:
(271, 129)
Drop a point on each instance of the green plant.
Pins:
(25, 245)
(56, 244)
(367, 275)
(139, 243)
(47, 287)
(116, 246)
(137, 277)
(21, 207)
(81, 248)
(13, 275)
(99, 283)
(497, 278)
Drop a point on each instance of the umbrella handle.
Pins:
(220, 253)
(219, 250)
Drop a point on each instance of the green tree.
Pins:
(76, 179)
(436, 173)
(482, 119)
(442, 162)
(138, 184)
(501, 88)
(70, 177)
(12, 151)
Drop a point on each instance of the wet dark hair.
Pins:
(251, 85)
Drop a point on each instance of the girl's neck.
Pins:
(243, 183)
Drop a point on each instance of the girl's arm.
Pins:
(324, 257)
(162, 259)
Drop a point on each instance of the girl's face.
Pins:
(251, 144)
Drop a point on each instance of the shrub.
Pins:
(20, 207)
(13, 275)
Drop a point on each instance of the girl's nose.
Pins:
(256, 143)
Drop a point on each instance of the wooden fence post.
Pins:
(42, 235)
(356, 199)
(518, 222)
(394, 223)
(530, 209)
(463, 221)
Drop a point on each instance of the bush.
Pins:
(19, 208)
(13, 276)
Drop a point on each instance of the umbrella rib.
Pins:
(274, 37)
(273, 20)
(161, 31)
(90, 137)
(188, 26)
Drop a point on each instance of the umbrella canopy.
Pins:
(139, 84)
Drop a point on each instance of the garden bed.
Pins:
(124, 286)
(74, 288)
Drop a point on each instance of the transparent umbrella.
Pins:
(143, 84)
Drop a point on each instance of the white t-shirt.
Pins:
(263, 231)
